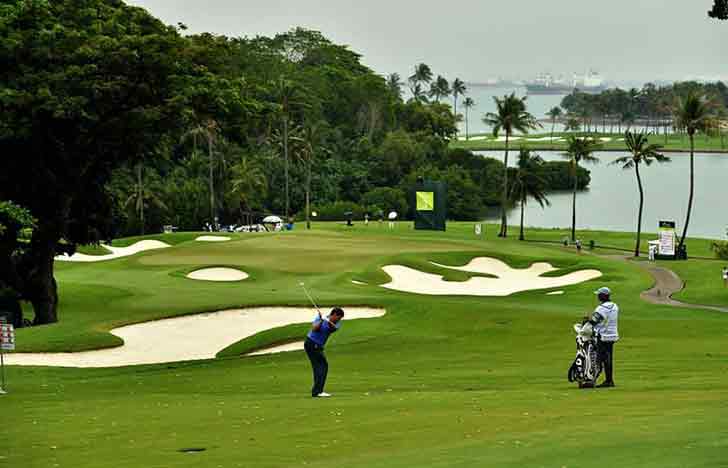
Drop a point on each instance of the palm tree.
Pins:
(440, 88)
(394, 84)
(310, 142)
(418, 94)
(641, 151)
(249, 183)
(554, 113)
(692, 114)
(209, 130)
(141, 197)
(469, 104)
(579, 149)
(422, 74)
(458, 89)
(511, 116)
(287, 94)
(528, 183)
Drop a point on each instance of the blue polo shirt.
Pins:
(319, 337)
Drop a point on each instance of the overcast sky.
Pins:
(478, 39)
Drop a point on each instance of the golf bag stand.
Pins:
(586, 366)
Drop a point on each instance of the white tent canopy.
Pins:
(272, 220)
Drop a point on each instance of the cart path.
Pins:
(667, 283)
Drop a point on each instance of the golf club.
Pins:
(303, 285)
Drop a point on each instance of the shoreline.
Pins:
(603, 150)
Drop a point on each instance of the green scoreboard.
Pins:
(430, 205)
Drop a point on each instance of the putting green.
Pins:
(439, 381)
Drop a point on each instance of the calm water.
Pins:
(538, 105)
(612, 200)
(483, 97)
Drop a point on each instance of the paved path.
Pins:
(667, 283)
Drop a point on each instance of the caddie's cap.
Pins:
(604, 290)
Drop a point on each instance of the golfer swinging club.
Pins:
(604, 321)
(321, 328)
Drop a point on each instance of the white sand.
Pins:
(503, 139)
(189, 338)
(358, 283)
(116, 252)
(212, 239)
(544, 139)
(297, 346)
(481, 137)
(509, 280)
(218, 274)
(606, 139)
(555, 293)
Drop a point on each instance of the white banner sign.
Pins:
(667, 238)
(7, 337)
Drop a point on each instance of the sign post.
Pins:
(7, 343)
(666, 247)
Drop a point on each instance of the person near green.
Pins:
(604, 320)
(321, 329)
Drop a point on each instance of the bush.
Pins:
(558, 176)
(336, 211)
(386, 199)
(721, 250)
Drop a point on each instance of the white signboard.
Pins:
(7, 337)
(667, 238)
(478, 229)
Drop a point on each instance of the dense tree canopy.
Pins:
(112, 123)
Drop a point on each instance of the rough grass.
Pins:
(438, 381)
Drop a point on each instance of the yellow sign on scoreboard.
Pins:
(425, 201)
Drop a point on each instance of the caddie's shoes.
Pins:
(323, 395)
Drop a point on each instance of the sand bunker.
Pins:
(297, 346)
(212, 239)
(544, 139)
(503, 139)
(116, 252)
(189, 338)
(218, 274)
(358, 283)
(509, 280)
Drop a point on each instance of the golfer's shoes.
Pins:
(323, 395)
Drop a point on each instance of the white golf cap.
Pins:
(604, 290)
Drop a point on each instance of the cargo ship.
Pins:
(591, 83)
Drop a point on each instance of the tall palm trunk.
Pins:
(523, 206)
(504, 198)
(553, 126)
(692, 189)
(308, 196)
(212, 183)
(639, 215)
(573, 204)
(285, 161)
(140, 195)
(467, 129)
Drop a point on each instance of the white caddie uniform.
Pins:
(607, 327)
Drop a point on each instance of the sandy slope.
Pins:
(509, 280)
(188, 338)
(116, 252)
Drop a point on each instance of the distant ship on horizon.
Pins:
(545, 83)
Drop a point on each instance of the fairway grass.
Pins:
(440, 381)
(609, 141)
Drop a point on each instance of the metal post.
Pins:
(2, 372)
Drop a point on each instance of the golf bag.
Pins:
(586, 367)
